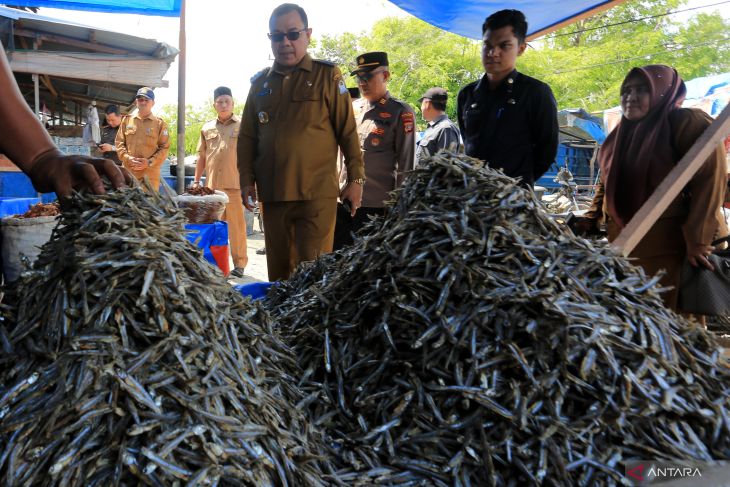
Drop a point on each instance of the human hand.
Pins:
(698, 254)
(583, 226)
(138, 163)
(106, 147)
(248, 193)
(352, 193)
(57, 172)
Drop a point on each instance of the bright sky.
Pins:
(226, 39)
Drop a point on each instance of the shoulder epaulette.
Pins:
(261, 73)
(402, 103)
(325, 62)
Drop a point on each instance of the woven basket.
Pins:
(203, 209)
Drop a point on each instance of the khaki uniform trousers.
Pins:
(153, 173)
(297, 231)
(233, 215)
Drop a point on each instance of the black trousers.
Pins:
(347, 225)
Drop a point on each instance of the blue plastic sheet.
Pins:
(465, 17)
(164, 8)
(213, 239)
(253, 290)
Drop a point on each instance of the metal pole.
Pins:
(181, 105)
(36, 86)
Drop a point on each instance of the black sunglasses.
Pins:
(365, 77)
(291, 35)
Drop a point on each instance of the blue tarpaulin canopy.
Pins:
(465, 17)
(166, 8)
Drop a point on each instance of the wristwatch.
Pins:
(359, 181)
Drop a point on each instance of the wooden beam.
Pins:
(675, 181)
(69, 41)
(588, 13)
(47, 81)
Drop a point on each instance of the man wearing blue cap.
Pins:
(143, 140)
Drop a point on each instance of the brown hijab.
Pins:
(638, 155)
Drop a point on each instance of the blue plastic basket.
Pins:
(254, 290)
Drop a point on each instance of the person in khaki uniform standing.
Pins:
(142, 140)
(297, 114)
(217, 158)
(387, 137)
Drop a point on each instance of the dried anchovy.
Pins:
(467, 339)
(128, 360)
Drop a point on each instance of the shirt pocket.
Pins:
(130, 130)
(379, 137)
(472, 120)
(306, 104)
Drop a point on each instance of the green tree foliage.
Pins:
(584, 63)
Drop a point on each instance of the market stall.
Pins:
(63, 68)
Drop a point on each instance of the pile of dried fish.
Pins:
(41, 209)
(470, 340)
(127, 360)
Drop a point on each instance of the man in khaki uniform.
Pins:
(217, 158)
(297, 114)
(142, 140)
(387, 137)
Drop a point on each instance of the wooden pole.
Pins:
(675, 181)
(181, 105)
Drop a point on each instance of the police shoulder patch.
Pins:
(342, 87)
(261, 73)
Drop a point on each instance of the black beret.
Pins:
(220, 91)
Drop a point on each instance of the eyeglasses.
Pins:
(291, 35)
(365, 77)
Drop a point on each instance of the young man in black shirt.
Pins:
(506, 118)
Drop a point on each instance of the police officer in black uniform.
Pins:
(109, 133)
(506, 118)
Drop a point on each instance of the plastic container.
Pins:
(23, 237)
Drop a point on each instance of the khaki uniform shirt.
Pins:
(142, 137)
(218, 141)
(386, 130)
(291, 127)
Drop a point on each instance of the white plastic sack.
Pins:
(23, 237)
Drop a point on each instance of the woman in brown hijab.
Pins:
(653, 135)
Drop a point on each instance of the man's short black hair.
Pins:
(284, 9)
(112, 109)
(438, 105)
(506, 17)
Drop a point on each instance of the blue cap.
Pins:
(146, 92)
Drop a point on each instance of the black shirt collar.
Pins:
(483, 83)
